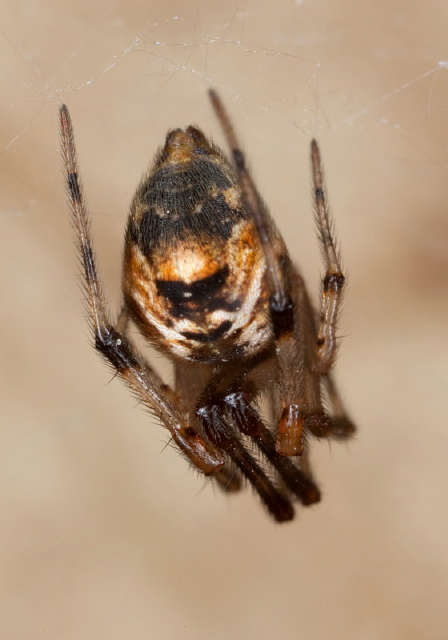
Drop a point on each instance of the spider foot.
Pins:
(343, 428)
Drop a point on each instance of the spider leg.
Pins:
(112, 344)
(339, 425)
(211, 414)
(233, 398)
(316, 420)
(255, 208)
(221, 432)
(293, 350)
(300, 483)
(333, 281)
(343, 427)
(190, 380)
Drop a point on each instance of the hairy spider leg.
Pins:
(114, 346)
(292, 348)
(333, 281)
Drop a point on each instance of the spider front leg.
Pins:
(190, 381)
(112, 344)
(217, 428)
(227, 401)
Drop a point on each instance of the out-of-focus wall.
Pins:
(104, 532)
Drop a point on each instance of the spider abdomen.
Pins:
(194, 271)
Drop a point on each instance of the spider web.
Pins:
(368, 82)
(364, 81)
(281, 67)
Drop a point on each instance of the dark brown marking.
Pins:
(333, 282)
(198, 292)
(211, 336)
(282, 317)
(114, 348)
(73, 185)
(188, 299)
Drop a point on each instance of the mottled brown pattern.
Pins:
(188, 225)
(192, 260)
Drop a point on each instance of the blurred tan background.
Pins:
(104, 532)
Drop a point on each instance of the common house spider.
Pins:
(208, 280)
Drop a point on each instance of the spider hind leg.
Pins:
(293, 326)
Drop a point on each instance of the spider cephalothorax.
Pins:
(208, 280)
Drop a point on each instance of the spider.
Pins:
(207, 279)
